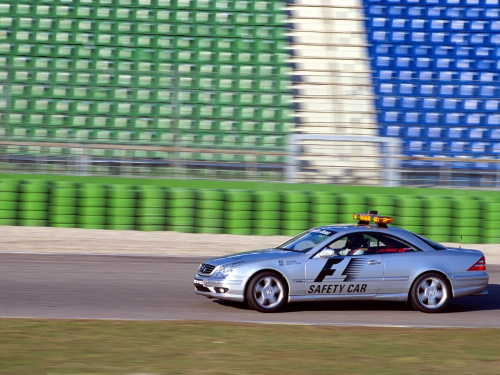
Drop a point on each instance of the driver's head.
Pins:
(355, 242)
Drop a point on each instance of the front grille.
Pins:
(206, 269)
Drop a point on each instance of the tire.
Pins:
(430, 293)
(267, 292)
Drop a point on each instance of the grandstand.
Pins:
(133, 84)
(435, 66)
(336, 91)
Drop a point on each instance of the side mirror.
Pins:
(326, 253)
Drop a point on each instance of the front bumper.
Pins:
(225, 289)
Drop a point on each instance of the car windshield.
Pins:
(307, 240)
(434, 245)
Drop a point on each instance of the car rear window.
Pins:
(434, 245)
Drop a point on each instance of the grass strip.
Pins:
(69, 347)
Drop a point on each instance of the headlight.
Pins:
(223, 271)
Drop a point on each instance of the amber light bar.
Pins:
(372, 218)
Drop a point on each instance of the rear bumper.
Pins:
(468, 285)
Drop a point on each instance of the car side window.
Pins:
(388, 244)
(354, 244)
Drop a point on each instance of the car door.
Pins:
(334, 274)
(401, 262)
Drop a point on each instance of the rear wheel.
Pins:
(266, 292)
(430, 293)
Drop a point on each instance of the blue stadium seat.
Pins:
(418, 24)
(456, 132)
(414, 131)
(448, 90)
(409, 102)
(494, 134)
(400, 36)
(468, 90)
(493, 119)
(427, 90)
(435, 132)
(416, 11)
(454, 118)
(406, 75)
(464, 51)
(399, 23)
(493, 13)
(387, 89)
(389, 102)
(430, 103)
(477, 25)
(474, 13)
(392, 117)
(397, 10)
(440, 37)
(492, 105)
(394, 131)
(481, 64)
(437, 148)
(419, 37)
(471, 105)
(422, 50)
(474, 119)
(432, 118)
(467, 76)
(489, 91)
(476, 133)
(377, 10)
(435, 12)
(404, 62)
(411, 118)
(402, 49)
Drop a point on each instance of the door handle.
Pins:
(372, 262)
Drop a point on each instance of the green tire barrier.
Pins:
(465, 219)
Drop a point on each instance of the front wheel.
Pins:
(266, 292)
(430, 293)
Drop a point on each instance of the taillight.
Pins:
(480, 265)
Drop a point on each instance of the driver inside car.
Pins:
(355, 245)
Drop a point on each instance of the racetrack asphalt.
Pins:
(160, 288)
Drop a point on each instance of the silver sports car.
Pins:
(367, 261)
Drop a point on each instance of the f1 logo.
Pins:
(327, 269)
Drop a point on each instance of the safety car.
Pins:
(366, 261)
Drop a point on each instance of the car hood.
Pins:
(252, 256)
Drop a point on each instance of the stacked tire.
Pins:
(9, 195)
(238, 212)
(466, 220)
(349, 204)
(63, 204)
(92, 202)
(323, 209)
(209, 211)
(295, 212)
(33, 203)
(384, 204)
(180, 210)
(490, 221)
(151, 208)
(267, 213)
(121, 207)
(437, 223)
(409, 213)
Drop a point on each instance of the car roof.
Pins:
(363, 228)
